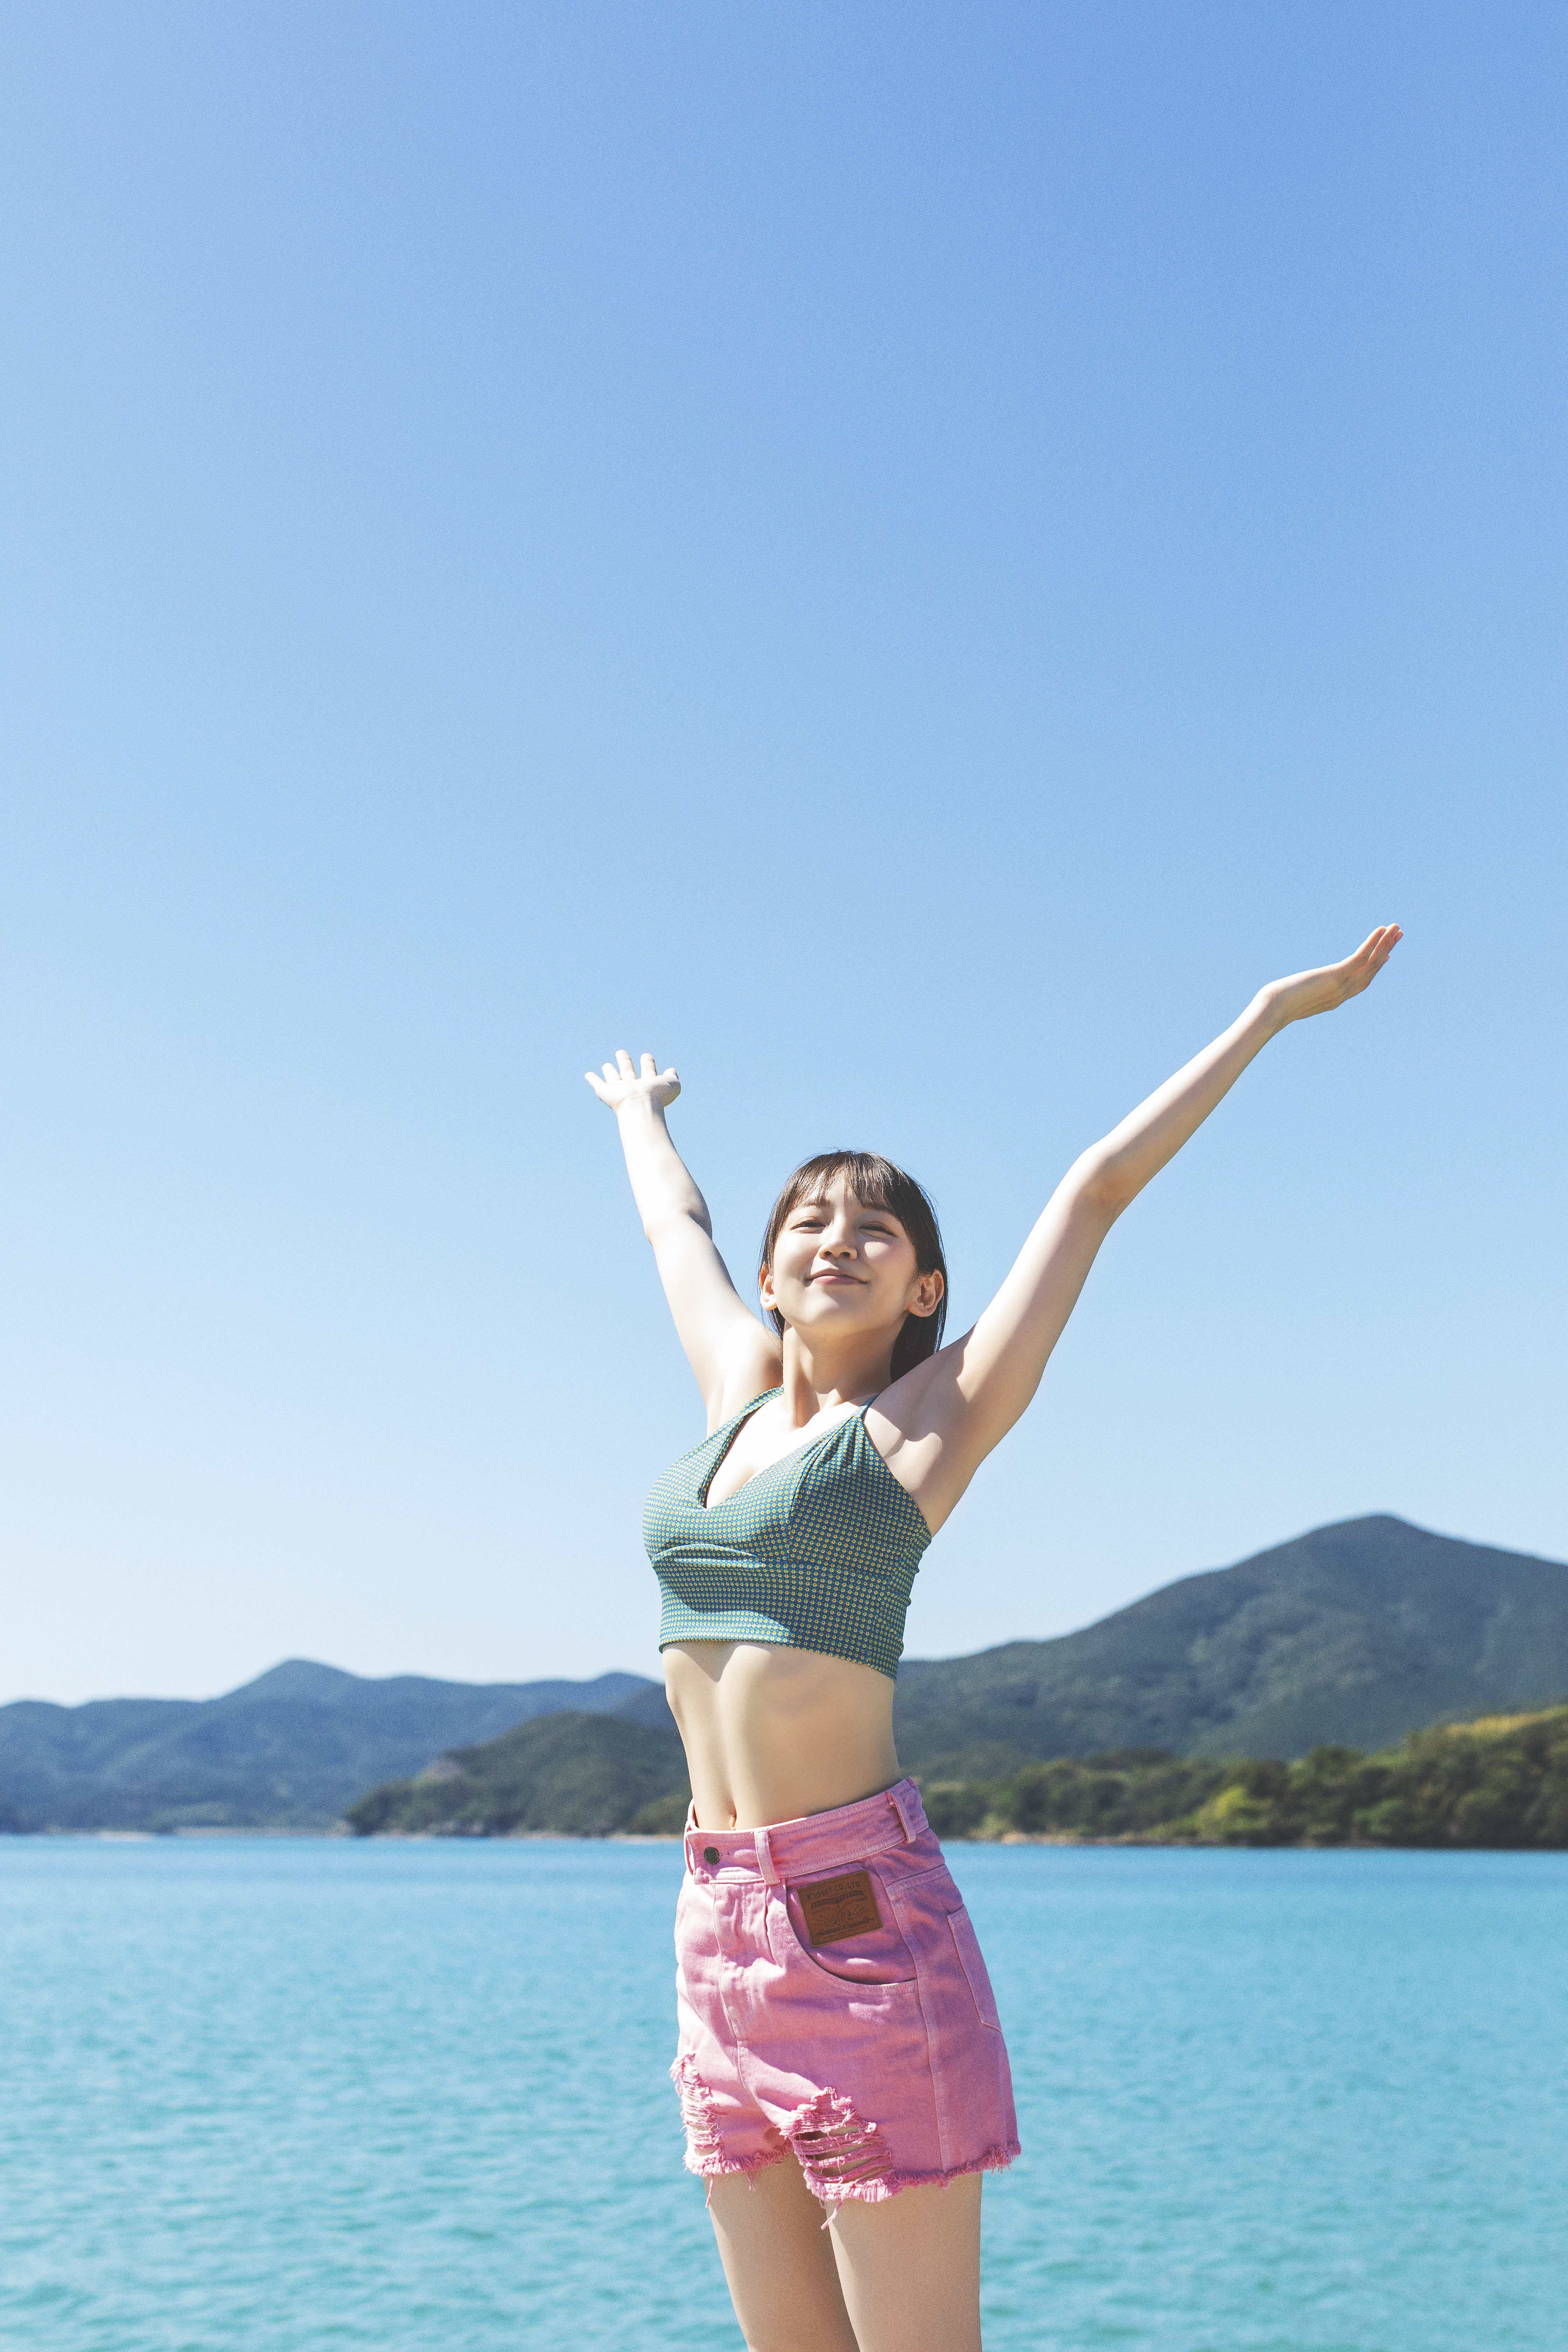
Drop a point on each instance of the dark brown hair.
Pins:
(876, 1184)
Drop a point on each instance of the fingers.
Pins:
(617, 1076)
(1372, 955)
(1380, 947)
(1359, 971)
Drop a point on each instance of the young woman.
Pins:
(839, 2046)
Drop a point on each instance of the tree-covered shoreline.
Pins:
(1496, 1782)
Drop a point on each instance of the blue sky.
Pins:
(906, 560)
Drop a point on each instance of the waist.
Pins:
(772, 1733)
(816, 1842)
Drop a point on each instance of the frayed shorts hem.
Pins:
(866, 2192)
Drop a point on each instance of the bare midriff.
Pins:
(772, 1733)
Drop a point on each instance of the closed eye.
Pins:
(812, 1222)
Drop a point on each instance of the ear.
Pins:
(765, 1290)
(928, 1291)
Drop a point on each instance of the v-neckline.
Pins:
(704, 1506)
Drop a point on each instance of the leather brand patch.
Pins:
(836, 1907)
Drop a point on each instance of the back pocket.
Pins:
(974, 1966)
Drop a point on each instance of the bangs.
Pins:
(875, 1183)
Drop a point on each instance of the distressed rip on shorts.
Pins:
(834, 2005)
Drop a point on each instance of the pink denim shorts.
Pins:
(833, 2003)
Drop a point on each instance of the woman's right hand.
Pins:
(621, 1084)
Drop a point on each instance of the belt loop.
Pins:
(901, 1808)
(765, 1857)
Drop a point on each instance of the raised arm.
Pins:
(966, 1398)
(730, 1353)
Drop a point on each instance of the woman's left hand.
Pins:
(1306, 993)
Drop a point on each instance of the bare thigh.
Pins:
(779, 2262)
(910, 2268)
(900, 2276)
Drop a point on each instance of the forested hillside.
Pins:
(577, 1775)
(1354, 1634)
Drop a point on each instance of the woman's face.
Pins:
(840, 1266)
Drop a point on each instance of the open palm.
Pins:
(1306, 993)
(621, 1084)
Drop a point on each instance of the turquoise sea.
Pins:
(277, 2096)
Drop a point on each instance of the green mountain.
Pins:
(1355, 1633)
(577, 1775)
(286, 1751)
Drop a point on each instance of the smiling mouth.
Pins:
(833, 1276)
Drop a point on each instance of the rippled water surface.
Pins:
(276, 2096)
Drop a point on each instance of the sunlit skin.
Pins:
(772, 1733)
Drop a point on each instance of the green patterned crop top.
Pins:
(817, 1551)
